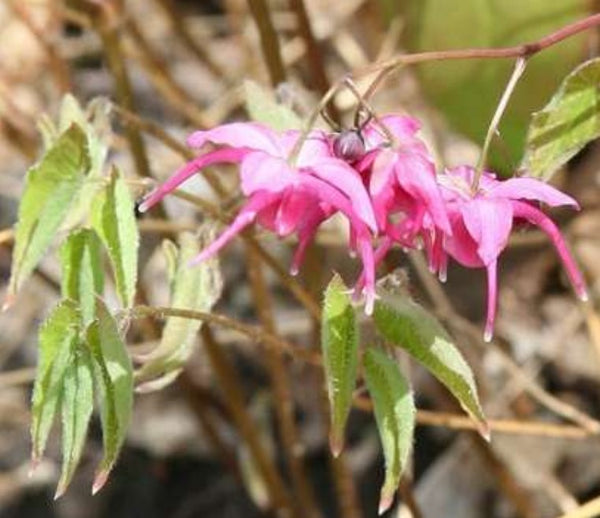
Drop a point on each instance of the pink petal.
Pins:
(295, 205)
(262, 172)
(381, 186)
(538, 218)
(379, 255)
(250, 135)
(244, 218)
(189, 169)
(368, 260)
(346, 180)
(531, 189)
(416, 175)
(316, 147)
(306, 233)
(492, 302)
(489, 221)
(401, 127)
(461, 245)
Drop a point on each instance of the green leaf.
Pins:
(468, 91)
(58, 338)
(82, 273)
(192, 287)
(50, 188)
(567, 123)
(262, 107)
(94, 120)
(339, 342)
(77, 406)
(406, 324)
(395, 412)
(113, 219)
(113, 376)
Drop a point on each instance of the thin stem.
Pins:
(58, 65)
(255, 333)
(102, 19)
(588, 510)
(315, 54)
(517, 72)
(282, 394)
(524, 50)
(460, 324)
(180, 28)
(235, 401)
(268, 40)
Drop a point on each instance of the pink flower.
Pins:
(281, 197)
(481, 223)
(401, 179)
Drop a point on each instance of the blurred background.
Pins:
(173, 66)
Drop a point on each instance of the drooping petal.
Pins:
(492, 300)
(315, 147)
(245, 217)
(537, 217)
(461, 246)
(347, 181)
(531, 189)
(378, 256)
(262, 172)
(249, 135)
(381, 185)
(294, 207)
(219, 156)
(489, 221)
(306, 232)
(365, 250)
(416, 175)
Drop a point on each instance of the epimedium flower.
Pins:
(482, 220)
(285, 194)
(401, 178)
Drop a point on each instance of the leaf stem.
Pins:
(524, 50)
(517, 72)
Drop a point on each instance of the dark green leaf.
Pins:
(113, 375)
(50, 188)
(395, 412)
(82, 273)
(192, 287)
(262, 107)
(58, 338)
(339, 342)
(113, 219)
(77, 403)
(567, 123)
(406, 324)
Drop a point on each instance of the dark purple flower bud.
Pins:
(349, 145)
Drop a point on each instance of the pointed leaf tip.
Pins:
(385, 502)
(99, 481)
(339, 343)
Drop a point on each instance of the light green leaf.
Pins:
(58, 338)
(468, 91)
(339, 342)
(567, 123)
(395, 412)
(77, 405)
(406, 324)
(82, 273)
(192, 287)
(50, 188)
(113, 219)
(262, 107)
(113, 376)
(94, 120)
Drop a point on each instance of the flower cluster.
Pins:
(383, 180)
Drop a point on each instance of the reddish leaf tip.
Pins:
(336, 444)
(60, 490)
(99, 481)
(483, 428)
(385, 502)
(9, 300)
(35, 462)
